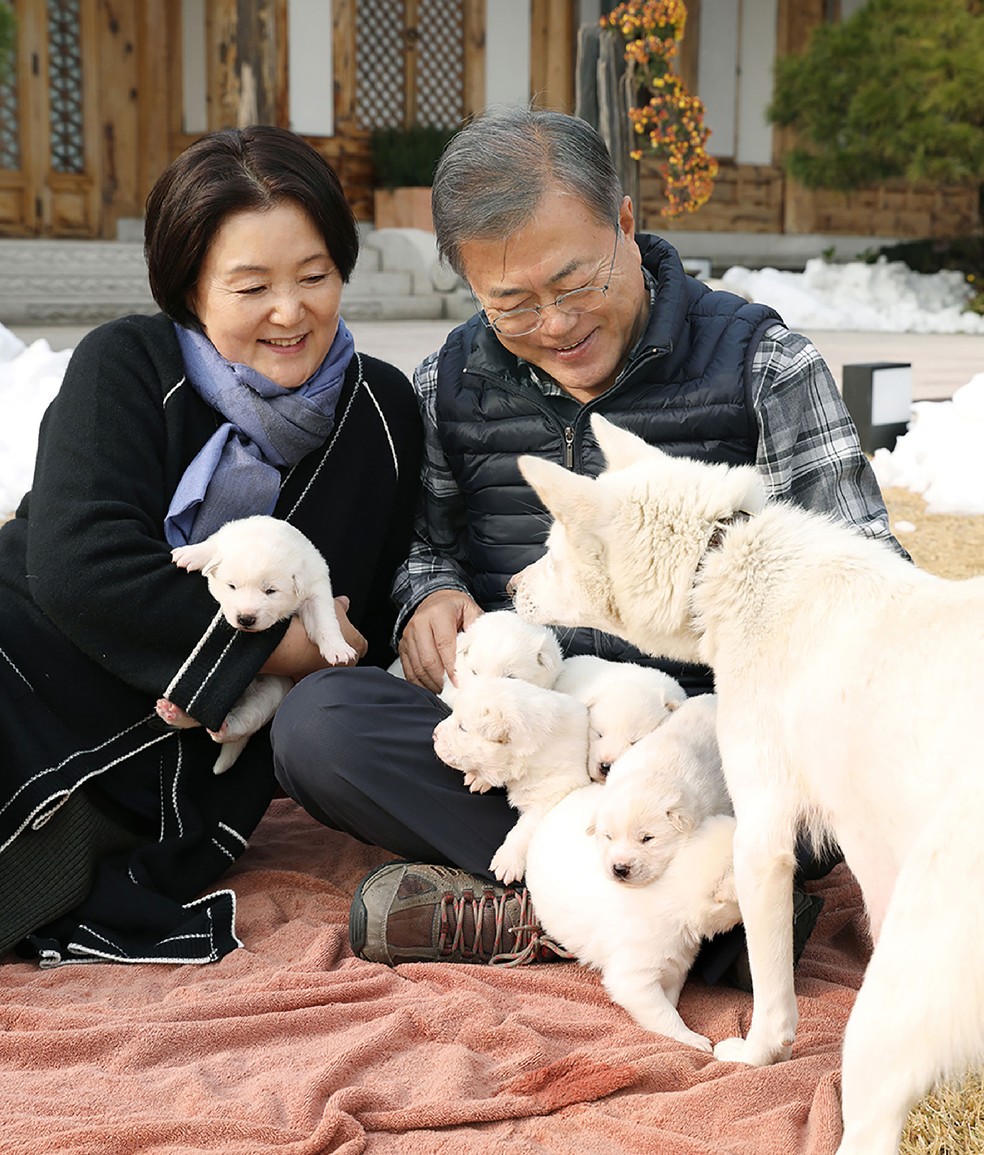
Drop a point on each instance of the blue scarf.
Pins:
(267, 428)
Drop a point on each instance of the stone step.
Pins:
(65, 282)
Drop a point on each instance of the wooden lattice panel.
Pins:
(440, 63)
(409, 63)
(65, 86)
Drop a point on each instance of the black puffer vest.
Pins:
(687, 390)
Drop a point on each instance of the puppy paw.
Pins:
(476, 784)
(339, 655)
(698, 1042)
(507, 867)
(174, 715)
(748, 1052)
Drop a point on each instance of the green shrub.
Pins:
(407, 157)
(8, 31)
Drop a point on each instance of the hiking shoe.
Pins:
(417, 912)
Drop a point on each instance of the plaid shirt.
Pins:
(808, 452)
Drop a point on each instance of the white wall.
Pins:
(735, 60)
(507, 52)
(310, 92)
(194, 76)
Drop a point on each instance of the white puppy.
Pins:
(643, 939)
(659, 791)
(527, 739)
(826, 647)
(624, 700)
(500, 644)
(261, 570)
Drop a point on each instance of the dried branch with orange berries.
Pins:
(670, 123)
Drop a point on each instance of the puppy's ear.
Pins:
(680, 811)
(493, 727)
(211, 566)
(573, 499)
(620, 447)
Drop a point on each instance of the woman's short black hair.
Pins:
(227, 172)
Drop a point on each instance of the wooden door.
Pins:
(418, 62)
(49, 157)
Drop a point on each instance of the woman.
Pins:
(244, 395)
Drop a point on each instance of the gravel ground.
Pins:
(945, 544)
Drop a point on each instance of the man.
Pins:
(578, 314)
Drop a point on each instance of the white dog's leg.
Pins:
(638, 991)
(932, 935)
(230, 752)
(509, 861)
(320, 622)
(255, 707)
(764, 861)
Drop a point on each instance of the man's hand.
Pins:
(428, 642)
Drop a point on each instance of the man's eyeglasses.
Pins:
(521, 322)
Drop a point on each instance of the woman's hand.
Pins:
(297, 656)
(427, 647)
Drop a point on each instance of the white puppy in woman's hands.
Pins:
(261, 570)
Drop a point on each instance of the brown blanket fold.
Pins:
(291, 1045)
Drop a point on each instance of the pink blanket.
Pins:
(293, 1045)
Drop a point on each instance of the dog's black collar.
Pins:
(720, 531)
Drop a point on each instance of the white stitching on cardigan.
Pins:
(386, 429)
(173, 389)
(194, 654)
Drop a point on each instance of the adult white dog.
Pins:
(826, 648)
(529, 740)
(643, 939)
(625, 702)
(261, 570)
(659, 791)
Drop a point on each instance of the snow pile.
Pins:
(940, 456)
(883, 297)
(29, 379)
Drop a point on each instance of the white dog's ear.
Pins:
(492, 726)
(572, 498)
(620, 447)
(680, 811)
(211, 566)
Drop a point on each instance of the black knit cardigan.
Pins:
(96, 623)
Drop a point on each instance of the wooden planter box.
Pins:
(403, 208)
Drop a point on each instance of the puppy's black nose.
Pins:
(621, 870)
(246, 621)
(603, 768)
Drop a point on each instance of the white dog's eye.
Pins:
(271, 591)
(231, 585)
(646, 838)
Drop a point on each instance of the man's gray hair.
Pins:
(495, 171)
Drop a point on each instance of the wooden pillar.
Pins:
(343, 64)
(244, 85)
(553, 48)
(474, 53)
